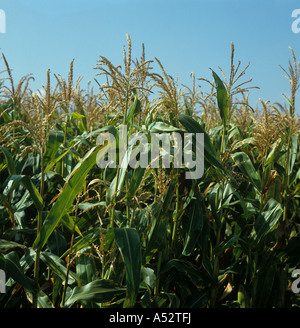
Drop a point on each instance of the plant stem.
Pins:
(156, 290)
(176, 213)
(286, 180)
(39, 226)
(112, 214)
(214, 291)
(127, 195)
(69, 259)
(68, 269)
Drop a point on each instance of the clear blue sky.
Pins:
(186, 35)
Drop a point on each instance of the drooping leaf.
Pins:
(9, 160)
(56, 138)
(160, 127)
(99, 291)
(14, 270)
(14, 181)
(116, 185)
(66, 198)
(156, 234)
(85, 268)
(136, 180)
(267, 220)
(58, 266)
(210, 154)
(247, 168)
(195, 216)
(6, 245)
(133, 110)
(128, 242)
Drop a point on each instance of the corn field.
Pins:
(74, 235)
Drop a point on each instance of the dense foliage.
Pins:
(75, 235)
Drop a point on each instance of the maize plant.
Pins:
(76, 235)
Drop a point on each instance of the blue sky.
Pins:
(187, 36)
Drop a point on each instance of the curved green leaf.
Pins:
(210, 154)
(13, 268)
(222, 98)
(99, 291)
(9, 160)
(14, 181)
(247, 168)
(268, 219)
(195, 224)
(66, 198)
(128, 242)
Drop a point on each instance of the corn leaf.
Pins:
(222, 98)
(128, 242)
(66, 198)
(99, 291)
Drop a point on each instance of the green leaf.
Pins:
(195, 224)
(55, 160)
(116, 185)
(156, 234)
(148, 276)
(88, 206)
(184, 267)
(197, 299)
(210, 154)
(14, 181)
(128, 242)
(247, 168)
(88, 237)
(227, 244)
(58, 266)
(268, 219)
(222, 98)
(56, 138)
(6, 245)
(77, 115)
(99, 291)
(293, 156)
(69, 223)
(133, 109)
(136, 180)
(57, 242)
(35, 195)
(85, 268)
(13, 268)
(72, 187)
(9, 160)
(4, 116)
(292, 250)
(160, 127)
(263, 284)
(275, 153)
